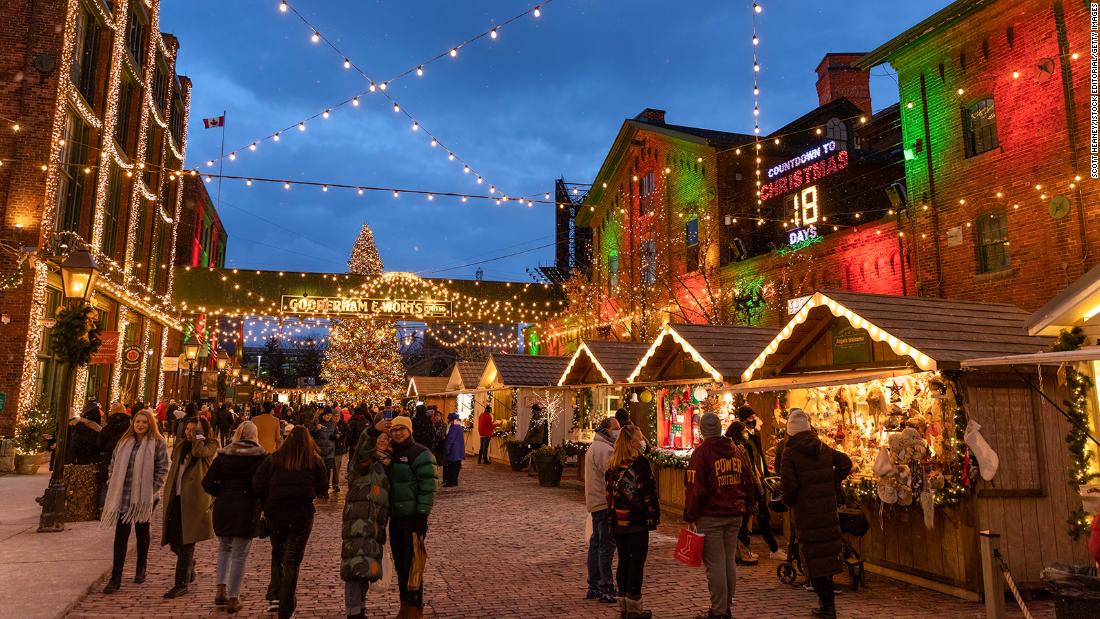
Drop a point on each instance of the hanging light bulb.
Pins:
(248, 182)
(450, 156)
(316, 36)
(538, 11)
(209, 162)
(420, 71)
(415, 126)
(435, 143)
(463, 198)
(233, 156)
(396, 108)
(252, 146)
(286, 185)
(756, 67)
(395, 192)
(359, 191)
(454, 52)
(302, 126)
(465, 168)
(756, 7)
(755, 40)
(383, 85)
(282, 6)
(325, 114)
(347, 63)
(493, 33)
(355, 101)
(431, 197)
(547, 196)
(479, 180)
(324, 188)
(492, 188)
(372, 87)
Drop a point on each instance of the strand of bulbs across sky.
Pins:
(381, 87)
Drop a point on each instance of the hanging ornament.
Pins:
(700, 394)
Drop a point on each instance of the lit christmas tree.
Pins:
(363, 361)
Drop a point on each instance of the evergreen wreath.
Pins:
(75, 337)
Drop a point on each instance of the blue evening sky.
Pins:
(543, 100)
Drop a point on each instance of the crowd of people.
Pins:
(238, 474)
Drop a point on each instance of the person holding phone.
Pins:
(187, 517)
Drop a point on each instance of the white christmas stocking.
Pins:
(927, 505)
(987, 458)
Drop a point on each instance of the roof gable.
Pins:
(522, 371)
(426, 385)
(602, 362)
(721, 351)
(465, 375)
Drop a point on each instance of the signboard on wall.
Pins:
(131, 358)
(169, 364)
(850, 345)
(395, 308)
(108, 348)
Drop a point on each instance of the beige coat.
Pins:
(269, 433)
(194, 502)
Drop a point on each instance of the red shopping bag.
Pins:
(689, 548)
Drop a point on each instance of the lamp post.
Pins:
(222, 362)
(191, 353)
(179, 377)
(78, 275)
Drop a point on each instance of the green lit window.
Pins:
(980, 127)
(992, 242)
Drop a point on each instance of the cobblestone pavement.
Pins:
(500, 546)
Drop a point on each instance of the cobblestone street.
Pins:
(499, 546)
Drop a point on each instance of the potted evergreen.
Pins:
(31, 434)
(550, 464)
(517, 452)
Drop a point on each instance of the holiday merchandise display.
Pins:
(679, 410)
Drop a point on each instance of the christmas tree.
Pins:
(363, 361)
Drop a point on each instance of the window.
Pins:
(691, 240)
(83, 69)
(70, 192)
(123, 130)
(646, 189)
(992, 240)
(980, 127)
(835, 129)
(160, 85)
(649, 262)
(110, 215)
(175, 123)
(136, 35)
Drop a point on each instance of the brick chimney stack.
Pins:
(836, 78)
(651, 115)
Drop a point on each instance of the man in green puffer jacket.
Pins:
(412, 492)
(366, 511)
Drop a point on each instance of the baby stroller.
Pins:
(853, 525)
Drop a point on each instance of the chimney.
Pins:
(651, 115)
(837, 78)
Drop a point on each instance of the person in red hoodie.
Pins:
(719, 491)
(485, 428)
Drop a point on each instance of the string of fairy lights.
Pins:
(381, 88)
(756, 10)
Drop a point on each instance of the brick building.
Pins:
(202, 237)
(679, 233)
(995, 118)
(95, 162)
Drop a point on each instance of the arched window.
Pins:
(835, 129)
(980, 127)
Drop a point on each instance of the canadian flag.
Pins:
(210, 123)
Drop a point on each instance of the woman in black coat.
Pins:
(236, 510)
(811, 476)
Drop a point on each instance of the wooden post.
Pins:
(992, 579)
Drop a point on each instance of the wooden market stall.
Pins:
(596, 377)
(881, 379)
(516, 382)
(431, 390)
(683, 370)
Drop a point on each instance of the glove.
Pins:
(420, 524)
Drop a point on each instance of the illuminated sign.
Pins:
(805, 206)
(369, 307)
(805, 174)
(801, 235)
(811, 155)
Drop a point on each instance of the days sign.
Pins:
(131, 357)
(108, 349)
(804, 175)
(850, 345)
(396, 308)
(169, 364)
(801, 235)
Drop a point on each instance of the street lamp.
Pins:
(191, 353)
(223, 360)
(78, 275)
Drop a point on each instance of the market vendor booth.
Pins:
(938, 453)
(464, 398)
(513, 384)
(596, 378)
(431, 390)
(682, 372)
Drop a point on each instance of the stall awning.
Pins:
(818, 379)
(606, 363)
(936, 334)
(1076, 306)
(721, 351)
(1091, 353)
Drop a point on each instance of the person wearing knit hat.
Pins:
(236, 510)
(811, 474)
(454, 450)
(719, 492)
(401, 421)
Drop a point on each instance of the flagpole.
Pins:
(221, 161)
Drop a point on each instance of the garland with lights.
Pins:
(670, 458)
(1079, 385)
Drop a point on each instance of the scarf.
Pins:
(140, 507)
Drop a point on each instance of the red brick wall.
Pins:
(1037, 147)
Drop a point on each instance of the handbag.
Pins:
(689, 548)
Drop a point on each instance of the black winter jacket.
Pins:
(82, 446)
(229, 481)
(116, 426)
(287, 496)
(812, 472)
